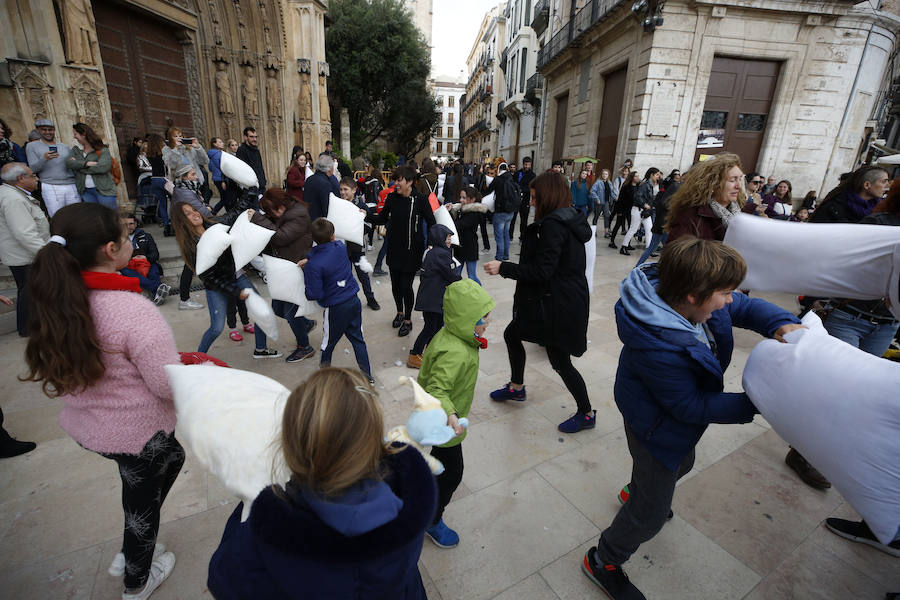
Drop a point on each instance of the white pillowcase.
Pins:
(442, 216)
(309, 172)
(261, 313)
(249, 240)
(285, 281)
(348, 221)
(212, 244)
(590, 254)
(231, 421)
(489, 201)
(238, 171)
(832, 260)
(838, 406)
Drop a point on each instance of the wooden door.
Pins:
(737, 108)
(610, 119)
(145, 76)
(559, 134)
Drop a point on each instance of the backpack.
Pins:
(115, 169)
(432, 197)
(510, 195)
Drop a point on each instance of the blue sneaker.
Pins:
(508, 393)
(577, 422)
(443, 536)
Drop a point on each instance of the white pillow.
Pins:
(590, 254)
(285, 281)
(488, 179)
(249, 240)
(348, 221)
(309, 172)
(819, 259)
(488, 201)
(238, 171)
(231, 421)
(210, 247)
(261, 313)
(838, 406)
(442, 216)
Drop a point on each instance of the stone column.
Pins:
(345, 133)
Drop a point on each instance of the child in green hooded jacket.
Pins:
(449, 372)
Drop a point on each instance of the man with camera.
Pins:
(47, 158)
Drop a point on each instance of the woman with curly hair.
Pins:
(711, 194)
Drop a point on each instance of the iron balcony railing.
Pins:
(571, 34)
(479, 125)
(541, 16)
(534, 87)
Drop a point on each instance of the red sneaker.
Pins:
(249, 328)
(235, 336)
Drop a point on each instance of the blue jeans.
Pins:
(93, 196)
(472, 270)
(148, 283)
(287, 311)
(859, 332)
(501, 234)
(217, 302)
(656, 240)
(381, 254)
(162, 198)
(345, 319)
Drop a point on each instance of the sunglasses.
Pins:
(757, 181)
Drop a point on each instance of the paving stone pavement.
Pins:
(532, 499)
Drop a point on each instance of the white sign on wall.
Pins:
(663, 101)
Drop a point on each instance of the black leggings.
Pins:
(560, 360)
(184, 286)
(623, 222)
(235, 306)
(433, 323)
(484, 234)
(402, 288)
(146, 479)
(449, 480)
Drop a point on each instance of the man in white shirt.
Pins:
(23, 231)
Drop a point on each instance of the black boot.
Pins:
(624, 250)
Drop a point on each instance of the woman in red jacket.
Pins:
(296, 176)
(711, 195)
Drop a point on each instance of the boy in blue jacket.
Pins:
(674, 319)
(329, 280)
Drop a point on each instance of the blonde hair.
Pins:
(704, 181)
(332, 432)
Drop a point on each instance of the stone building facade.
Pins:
(791, 86)
(448, 94)
(518, 114)
(485, 88)
(209, 67)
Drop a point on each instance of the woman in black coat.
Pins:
(622, 207)
(468, 214)
(404, 213)
(551, 302)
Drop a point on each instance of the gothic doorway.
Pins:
(145, 74)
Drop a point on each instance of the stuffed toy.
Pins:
(427, 425)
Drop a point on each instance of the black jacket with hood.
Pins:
(551, 301)
(438, 271)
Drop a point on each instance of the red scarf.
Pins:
(95, 280)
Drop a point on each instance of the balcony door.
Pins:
(610, 119)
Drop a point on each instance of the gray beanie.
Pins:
(182, 171)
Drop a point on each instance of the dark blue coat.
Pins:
(315, 193)
(669, 383)
(328, 274)
(438, 271)
(284, 550)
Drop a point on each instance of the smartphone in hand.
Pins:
(53, 149)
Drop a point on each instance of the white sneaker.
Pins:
(161, 293)
(189, 304)
(117, 566)
(160, 569)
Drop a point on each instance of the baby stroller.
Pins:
(147, 201)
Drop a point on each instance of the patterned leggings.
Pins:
(146, 479)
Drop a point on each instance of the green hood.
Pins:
(464, 303)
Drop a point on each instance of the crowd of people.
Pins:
(356, 509)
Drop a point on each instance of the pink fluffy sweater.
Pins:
(132, 401)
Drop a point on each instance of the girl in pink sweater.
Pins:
(100, 346)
